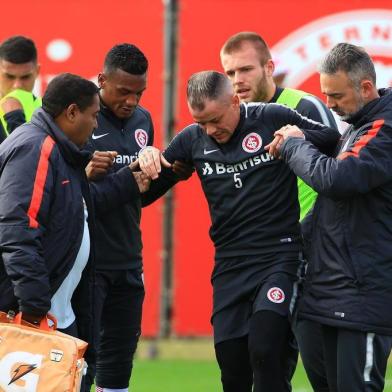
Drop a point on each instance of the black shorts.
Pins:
(243, 286)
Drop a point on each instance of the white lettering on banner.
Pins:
(19, 365)
(303, 49)
(384, 74)
(222, 168)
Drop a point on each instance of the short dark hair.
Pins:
(126, 57)
(66, 89)
(18, 50)
(351, 59)
(206, 85)
(236, 41)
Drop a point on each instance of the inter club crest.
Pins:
(141, 137)
(276, 295)
(252, 142)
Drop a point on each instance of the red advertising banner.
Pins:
(74, 36)
(299, 33)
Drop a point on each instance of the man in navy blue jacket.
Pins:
(124, 126)
(348, 282)
(47, 208)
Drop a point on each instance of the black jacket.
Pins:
(118, 235)
(42, 187)
(349, 278)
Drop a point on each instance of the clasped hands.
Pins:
(147, 167)
(151, 161)
(280, 136)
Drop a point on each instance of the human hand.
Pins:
(99, 164)
(142, 180)
(32, 318)
(10, 104)
(274, 147)
(182, 170)
(290, 131)
(150, 162)
(281, 135)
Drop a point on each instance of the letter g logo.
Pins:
(16, 371)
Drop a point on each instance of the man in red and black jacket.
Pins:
(348, 282)
(47, 208)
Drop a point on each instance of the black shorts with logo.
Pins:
(243, 286)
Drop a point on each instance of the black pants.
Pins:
(71, 330)
(259, 359)
(310, 340)
(118, 301)
(354, 361)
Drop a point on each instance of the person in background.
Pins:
(19, 70)
(247, 61)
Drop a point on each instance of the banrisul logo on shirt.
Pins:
(252, 142)
(141, 137)
(223, 168)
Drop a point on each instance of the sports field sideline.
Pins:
(188, 365)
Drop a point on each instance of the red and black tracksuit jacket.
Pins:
(349, 277)
(42, 187)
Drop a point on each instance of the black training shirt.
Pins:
(252, 197)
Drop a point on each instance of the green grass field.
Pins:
(188, 365)
(165, 375)
(168, 375)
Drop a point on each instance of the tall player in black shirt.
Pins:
(253, 202)
(247, 62)
(124, 128)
